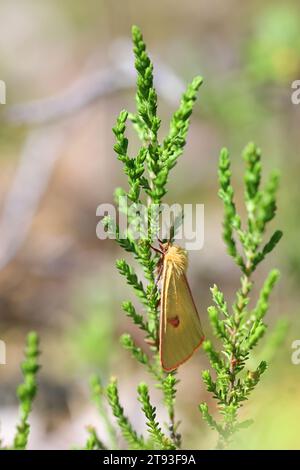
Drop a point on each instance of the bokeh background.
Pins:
(68, 69)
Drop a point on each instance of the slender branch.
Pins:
(238, 328)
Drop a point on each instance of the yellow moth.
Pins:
(180, 328)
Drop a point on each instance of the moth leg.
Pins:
(159, 273)
(160, 267)
(152, 342)
(156, 250)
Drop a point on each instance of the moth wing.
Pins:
(180, 328)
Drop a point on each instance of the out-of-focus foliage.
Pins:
(273, 53)
(91, 333)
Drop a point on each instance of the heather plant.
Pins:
(147, 174)
(236, 329)
(240, 327)
(26, 393)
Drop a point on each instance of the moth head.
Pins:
(178, 257)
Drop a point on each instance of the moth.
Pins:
(180, 327)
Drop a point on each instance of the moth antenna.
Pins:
(161, 244)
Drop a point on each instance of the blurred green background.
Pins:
(57, 165)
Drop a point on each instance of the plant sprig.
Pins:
(147, 175)
(26, 392)
(240, 328)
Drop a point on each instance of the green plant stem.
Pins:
(27, 390)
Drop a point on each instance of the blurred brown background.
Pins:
(68, 68)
